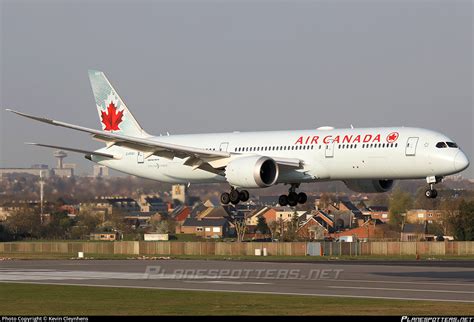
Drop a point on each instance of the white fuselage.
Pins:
(332, 154)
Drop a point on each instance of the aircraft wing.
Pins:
(149, 147)
(101, 154)
(196, 157)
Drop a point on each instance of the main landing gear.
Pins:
(235, 196)
(293, 198)
(432, 193)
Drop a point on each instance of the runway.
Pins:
(449, 281)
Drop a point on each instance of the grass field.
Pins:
(33, 299)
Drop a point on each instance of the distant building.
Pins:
(417, 216)
(377, 212)
(415, 232)
(312, 229)
(105, 236)
(208, 228)
(72, 166)
(8, 208)
(105, 206)
(40, 166)
(149, 203)
(100, 171)
(178, 192)
(369, 230)
(63, 172)
(29, 171)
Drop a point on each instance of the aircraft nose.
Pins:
(460, 161)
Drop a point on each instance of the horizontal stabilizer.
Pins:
(106, 155)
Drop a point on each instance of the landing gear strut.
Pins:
(234, 197)
(432, 193)
(293, 198)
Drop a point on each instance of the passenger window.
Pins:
(441, 145)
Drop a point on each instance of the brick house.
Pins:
(312, 229)
(415, 232)
(208, 228)
(370, 230)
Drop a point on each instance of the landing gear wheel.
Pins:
(225, 198)
(283, 200)
(302, 198)
(244, 195)
(292, 199)
(234, 196)
(431, 193)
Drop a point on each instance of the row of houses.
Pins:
(336, 221)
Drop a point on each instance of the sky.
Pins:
(213, 66)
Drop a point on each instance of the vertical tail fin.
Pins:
(113, 113)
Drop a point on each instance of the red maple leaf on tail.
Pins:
(112, 118)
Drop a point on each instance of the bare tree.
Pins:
(273, 227)
(240, 228)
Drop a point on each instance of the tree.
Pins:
(240, 228)
(292, 228)
(400, 202)
(163, 226)
(87, 222)
(58, 226)
(4, 234)
(379, 199)
(24, 223)
(450, 210)
(463, 223)
(262, 226)
(281, 227)
(324, 201)
(273, 227)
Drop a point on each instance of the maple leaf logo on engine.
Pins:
(112, 118)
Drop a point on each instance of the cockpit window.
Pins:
(441, 145)
(452, 144)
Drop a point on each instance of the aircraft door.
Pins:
(410, 149)
(329, 150)
(140, 157)
(223, 147)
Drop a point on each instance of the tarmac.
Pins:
(426, 280)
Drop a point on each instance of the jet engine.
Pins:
(252, 172)
(369, 186)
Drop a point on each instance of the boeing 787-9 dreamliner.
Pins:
(366, 159)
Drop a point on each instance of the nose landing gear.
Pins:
(293, 198)
(432, 193)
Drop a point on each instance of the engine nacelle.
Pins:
(369, 186)
(252, 172)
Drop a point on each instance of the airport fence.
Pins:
(162, 248)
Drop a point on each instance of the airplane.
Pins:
(367, 160)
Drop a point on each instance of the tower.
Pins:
(60, 155)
